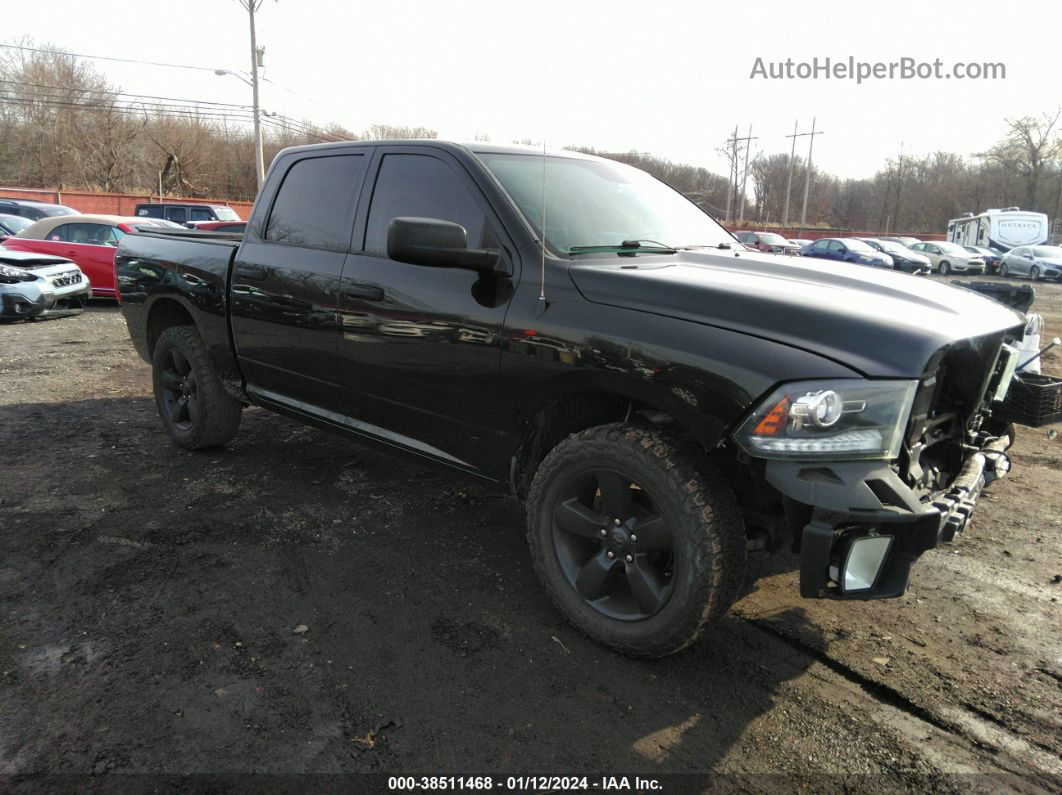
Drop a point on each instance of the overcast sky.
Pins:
(668, 78)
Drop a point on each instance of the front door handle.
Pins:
(364, 292)
(253, 273)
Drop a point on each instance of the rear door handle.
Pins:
(253, 273)
(365, 292)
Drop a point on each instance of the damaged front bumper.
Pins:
(31, 300)
(868, 527)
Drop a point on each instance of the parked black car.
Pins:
(661, 399)
(991, 257)
(34, 210)
(186, 212)
(903, 258)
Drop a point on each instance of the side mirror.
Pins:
(436, 244)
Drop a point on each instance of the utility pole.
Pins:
(731, 177)
(789, 176)
(745, 174)
(807, 175)
(256, 55)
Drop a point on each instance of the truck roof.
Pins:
(475, 147)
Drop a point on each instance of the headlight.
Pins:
(9, 275)
(837, 420)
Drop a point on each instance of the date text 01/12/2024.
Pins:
(523, 783)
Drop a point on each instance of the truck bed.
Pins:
(178, 270)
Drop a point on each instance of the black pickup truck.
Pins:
(662, 398)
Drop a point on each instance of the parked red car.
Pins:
(219, 226)
(767, 241)
(88, 240)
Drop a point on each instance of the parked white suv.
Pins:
(40, 285)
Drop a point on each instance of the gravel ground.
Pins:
(298, 604)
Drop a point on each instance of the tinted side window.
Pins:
(200, 214)
(421, 186)
(87, 234)
(150, 211)
(60, 233)
(314, 207)
(176, 214)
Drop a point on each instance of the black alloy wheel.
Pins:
(180, 392)
(196, 409)
(614, 546)
(637, 537)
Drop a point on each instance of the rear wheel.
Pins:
(636, 536)
(945, 267)
(195, 409)
(1003, 271)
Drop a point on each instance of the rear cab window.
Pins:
(314, 207)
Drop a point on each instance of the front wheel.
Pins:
(195, 409)
(636, 536)
(945, 268)
(1034, 273)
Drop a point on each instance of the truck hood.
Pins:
(881, 323)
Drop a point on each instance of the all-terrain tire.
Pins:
(217, 415)
(696, 501)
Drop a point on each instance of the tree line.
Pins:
(64, 126)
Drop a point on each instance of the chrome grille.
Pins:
(66, 279)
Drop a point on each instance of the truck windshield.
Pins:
(591, 203)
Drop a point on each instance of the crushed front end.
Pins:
(872, 473)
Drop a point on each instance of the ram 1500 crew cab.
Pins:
(579, 333)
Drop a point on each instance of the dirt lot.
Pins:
(298, 604)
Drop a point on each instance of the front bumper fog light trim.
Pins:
(864, 562)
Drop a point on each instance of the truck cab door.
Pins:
(284, 286)
(419, 347)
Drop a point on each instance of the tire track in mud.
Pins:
(973, 739)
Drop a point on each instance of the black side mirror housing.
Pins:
(436, 244)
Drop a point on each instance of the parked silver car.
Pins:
(40, 285)
(948, 257)
(1035, 262)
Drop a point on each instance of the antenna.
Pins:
(542, 303)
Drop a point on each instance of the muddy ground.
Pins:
(299, 604)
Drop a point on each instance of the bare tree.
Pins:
(1028, 148)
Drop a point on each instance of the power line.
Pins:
(122, 94)
(107, 58)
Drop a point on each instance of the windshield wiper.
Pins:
(627, 247)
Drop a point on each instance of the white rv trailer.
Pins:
(999, 229)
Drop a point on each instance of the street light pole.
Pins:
(259, 155)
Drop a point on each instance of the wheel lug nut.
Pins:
(634, 539)
(630, 559)
(611, 554)
(603, 532)
(617, 521)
